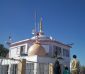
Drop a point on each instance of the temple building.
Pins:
(40, 53)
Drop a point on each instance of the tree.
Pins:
(3, 51)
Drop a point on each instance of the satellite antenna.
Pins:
(51, 37)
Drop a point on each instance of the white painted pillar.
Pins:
(35, 68)
(9, 69)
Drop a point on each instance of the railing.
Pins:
(12, 66)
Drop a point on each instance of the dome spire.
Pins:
(41, 27)
(41, 24)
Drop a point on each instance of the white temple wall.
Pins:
(46, 48)
(15, 51)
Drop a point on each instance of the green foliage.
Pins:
(3, 51)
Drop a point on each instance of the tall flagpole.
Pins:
(35, 23)
(34, 31)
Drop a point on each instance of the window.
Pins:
(41, 68)
(22, 51)
(5, 69)
(14, 69)
(30, 68)
(65, 52)
(57, 51)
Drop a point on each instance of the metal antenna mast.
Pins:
(34, 31)
(35, 23)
